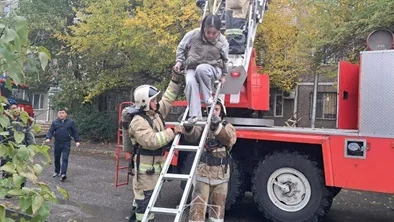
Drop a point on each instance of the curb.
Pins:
(96, 151)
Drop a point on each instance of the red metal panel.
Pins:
(348, 95)
(375, 173)
(282, 136)
(371, 174)
(259, 95)
(327, 162)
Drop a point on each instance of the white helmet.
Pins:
(221, 103)
(143, 95)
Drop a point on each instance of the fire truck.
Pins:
(19, 93)
(294, 173)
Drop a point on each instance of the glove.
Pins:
(187, 128)
(215, 120)
(179, 130)
(177, 76)
(200, 3)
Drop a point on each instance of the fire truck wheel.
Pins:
(288, 186)
(237, 186)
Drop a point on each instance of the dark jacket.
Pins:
(63, 130)
(28, 140)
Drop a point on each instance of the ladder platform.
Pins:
(186, 148)
(173, 176)
(162, 210)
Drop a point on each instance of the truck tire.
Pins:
(236, 187)
(288, 186)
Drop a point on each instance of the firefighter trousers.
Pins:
(200, 80)
(143, 187)
(211, 197)
(236, 21)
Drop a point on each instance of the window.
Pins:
(38, 101)
(278, 110)
(326, 106)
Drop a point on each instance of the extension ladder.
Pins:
(164, 175)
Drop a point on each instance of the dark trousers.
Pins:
(62, 149)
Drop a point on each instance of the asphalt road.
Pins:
(93, 197)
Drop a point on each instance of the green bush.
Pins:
(95, 126)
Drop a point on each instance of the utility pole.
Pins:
(315, 88)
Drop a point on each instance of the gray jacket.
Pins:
(188, 43)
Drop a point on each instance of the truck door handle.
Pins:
(345, 95)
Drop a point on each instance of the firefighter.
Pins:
(203, 53)
(152, 139)
(236, 17)
(213, 171)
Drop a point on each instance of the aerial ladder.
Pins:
(237, 63)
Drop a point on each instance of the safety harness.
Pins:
(145, 152)
(209, 159)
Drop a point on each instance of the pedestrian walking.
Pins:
(63, 129)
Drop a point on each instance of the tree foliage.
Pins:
(119, 43)
(307, 37)
(124, 43)
(277, 39)
(16, 56)
(48, 18)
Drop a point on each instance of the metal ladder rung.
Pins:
(198, 123)
(173, 176)
(186, 148)
(168, 211)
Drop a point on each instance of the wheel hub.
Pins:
(289, 189)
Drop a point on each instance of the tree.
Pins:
(124, 44)
(276, 37)
(48, 18)
(15, 53)
(337, 30)
(303, 37)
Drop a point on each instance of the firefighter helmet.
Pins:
(223, 110)
(143, 95)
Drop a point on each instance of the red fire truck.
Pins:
(19, 93)
(294, 173)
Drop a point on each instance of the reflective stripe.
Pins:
(234, 32)
(161, 138)
(222, 149)
(145, 167)
(211, 219)
(134, 203)
(210, 181)
(140, 216)
(170, 95)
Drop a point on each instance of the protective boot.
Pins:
(132, 218)
(135, 220)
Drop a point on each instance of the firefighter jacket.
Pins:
(153, 140)
(214, 166)
(194, 50)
